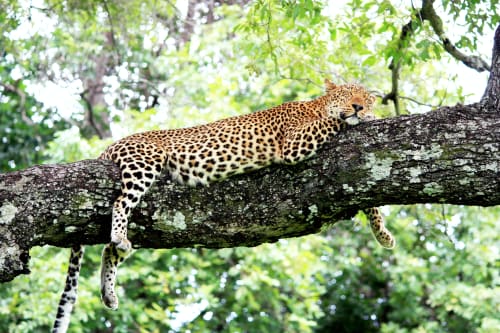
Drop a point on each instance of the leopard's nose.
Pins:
(357, 107)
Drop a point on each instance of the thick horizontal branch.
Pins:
(451, 155)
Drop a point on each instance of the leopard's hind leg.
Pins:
(383, 236)
(111, 258)
(138, 172)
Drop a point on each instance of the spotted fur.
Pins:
(286, 134)
(377, 226)
(68, 297)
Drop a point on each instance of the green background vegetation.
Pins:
(74, 75)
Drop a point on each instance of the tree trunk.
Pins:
(491, 97)
(451, 155)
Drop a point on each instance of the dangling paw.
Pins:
(109, 265)
(109, 298)
(383, 236)
(121, 243)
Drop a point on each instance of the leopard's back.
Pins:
(214, 151)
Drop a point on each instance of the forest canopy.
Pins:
(76, 75)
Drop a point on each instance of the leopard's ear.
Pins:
(373, 98)
(329, 85)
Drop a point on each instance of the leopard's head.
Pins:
(350, 102)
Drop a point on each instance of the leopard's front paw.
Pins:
(121, 243)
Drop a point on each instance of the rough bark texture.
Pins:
(451, 155)
(491, 98)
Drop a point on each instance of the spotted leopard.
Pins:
(286, 134)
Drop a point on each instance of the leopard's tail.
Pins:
(68, 297)
(383, 236)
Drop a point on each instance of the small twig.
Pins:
(112, 31)
(269, 41)
(306, 80)
(90, 113)
(151, 85)
(395, 66)
(418, 102)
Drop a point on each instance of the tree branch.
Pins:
(395, 65)
(451, 155)
(429, 13)
(491, 97)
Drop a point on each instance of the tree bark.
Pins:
(491, 97)
(451, 155)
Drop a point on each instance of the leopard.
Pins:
(285, 134)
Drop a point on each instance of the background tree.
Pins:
(137, 65)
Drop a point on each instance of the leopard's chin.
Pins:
(353, 120)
